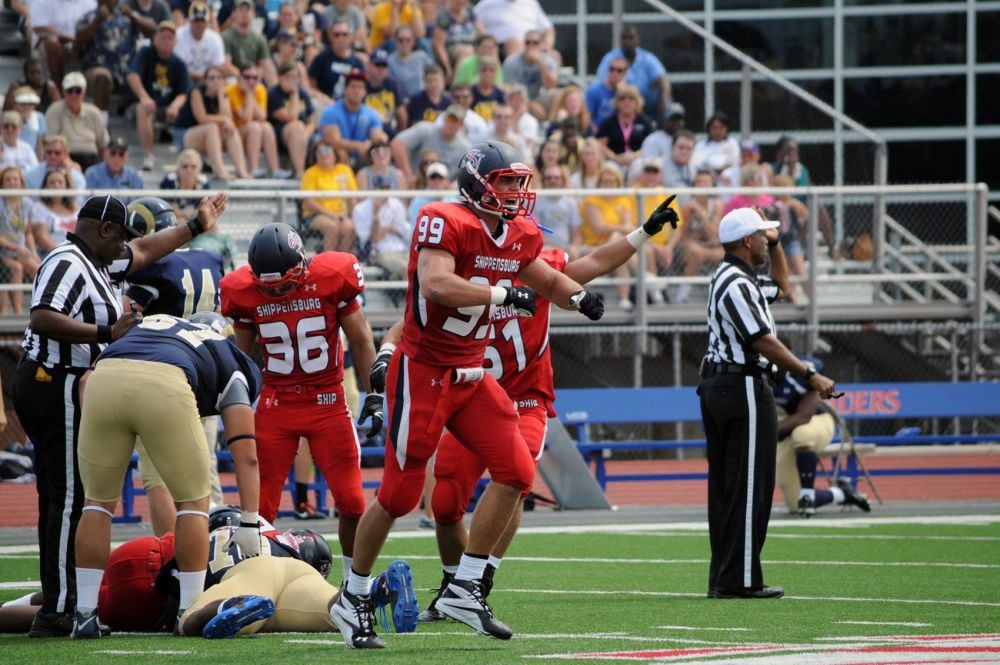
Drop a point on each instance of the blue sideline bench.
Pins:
(581, 407)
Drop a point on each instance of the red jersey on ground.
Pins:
(299, 334)
(518, 352)
(439, 335)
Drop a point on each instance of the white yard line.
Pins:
(912, 624)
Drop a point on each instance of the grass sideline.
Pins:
(639, 593)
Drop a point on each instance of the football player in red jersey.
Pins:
(295, 308)
(464, 258)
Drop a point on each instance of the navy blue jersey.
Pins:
(222, 558)
(790, 392)
(210, 361)
(181, 283)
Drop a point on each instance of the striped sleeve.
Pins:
(740, 305)
(59, 285)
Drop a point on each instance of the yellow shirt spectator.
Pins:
(340, 178)
(382, 19)
(615, 211)
(661, 238)
(237, 96)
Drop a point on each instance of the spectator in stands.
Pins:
(79, 121)
(570, 103)
(33, 126)
(501, 129)
(289, 24)
(559, 213)
(407, 65)
(388, 15)
(430, 102)
(351, 13)
(57, 214)
(114, 172)
(350, 126)
(510, 20)
(286, 51)
(433, 176)
(106, 40)
(548, 155)
(533, 67)
(56, 153)
(661, 247)
(601, 93)
(54, 24)
(17, 243)
(205, 124)
(260, 19)
(248, 103)
(293, 116)
(794, 217)
(455, 32)
(147, 14)
(198, 45)
(329, 216)
(787, 162)
(244, 46)
(187, 177)
(522, 119)
(590, 165)
(34, 78)
(329, 69)
(607, 217)
(659, 143)
(750, 176)
(718, 146)
(160, 82)
(14, 151)
(485, 95)
(750, 155)
(382, 95)
(474, 124)
(447, 138)
(570, 143)
(383, 233)
(698, 237)
(467, 69)
(622, 134)
(380, 170)
(645, 71)
(427, 157)
(678, 171)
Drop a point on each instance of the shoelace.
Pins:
(366, 617)
(477, 594)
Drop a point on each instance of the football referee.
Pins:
(76, 311)
(737, 405)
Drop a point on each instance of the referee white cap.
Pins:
(742, 222)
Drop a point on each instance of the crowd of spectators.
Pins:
(348, 95)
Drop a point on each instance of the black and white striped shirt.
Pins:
(738, 312)
(71, 282)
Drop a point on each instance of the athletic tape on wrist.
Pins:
(638, 237)
(388, 348)
(498, 294)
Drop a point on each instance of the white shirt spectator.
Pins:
(21, 155)
(716, 155)
(199, 55)
(60, 16)
(509, 19)
(392, 250)
(476, 127)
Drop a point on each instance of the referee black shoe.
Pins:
(463, 601)
(51, 624)
(761, 592)
(851, 496)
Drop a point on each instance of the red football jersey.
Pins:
(299, 334)
(518, 352)
(457, 337)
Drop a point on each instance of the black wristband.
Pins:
(104, 334)
(250, 525)
(239, 437)
(773, 244)
(195, 227)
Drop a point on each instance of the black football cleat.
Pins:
(851, 496)
(463, 601)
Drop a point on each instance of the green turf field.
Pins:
(856, 589)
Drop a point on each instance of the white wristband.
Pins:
(637, 238)
(250, 517)
(388, 348)
(497, 295)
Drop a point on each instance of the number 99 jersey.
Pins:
(298, 333)
(456, 337)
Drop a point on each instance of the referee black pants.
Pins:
(741, 428)
(47, 402)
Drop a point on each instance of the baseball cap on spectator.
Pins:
(285, 36)
(652, 164)
(118, 143)
(26, 95)
(354, 75)
(437, 169)
(741, 223)
(749, 146)
(380, 57)
(74, 80)
(248, 3)
(456, 111)
(166, 25)
(675, 110)
(10, 118)
(107, 208)
(198, 11)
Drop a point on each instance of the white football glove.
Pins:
(247, 536)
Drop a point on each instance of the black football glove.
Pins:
(372, 408)
(660, 217)
(522, 299)
(379, 368)
(591, 304)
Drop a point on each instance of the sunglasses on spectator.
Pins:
(117, 153)
(341, 34)
(11, 126)
(616, 69)
(532, 42)
(74, 91)
(381, 64)
(552, 178)
(251, 77)
(435, 176)
(502, 116)
(323, 149)
(187, 166)
(55, 152)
